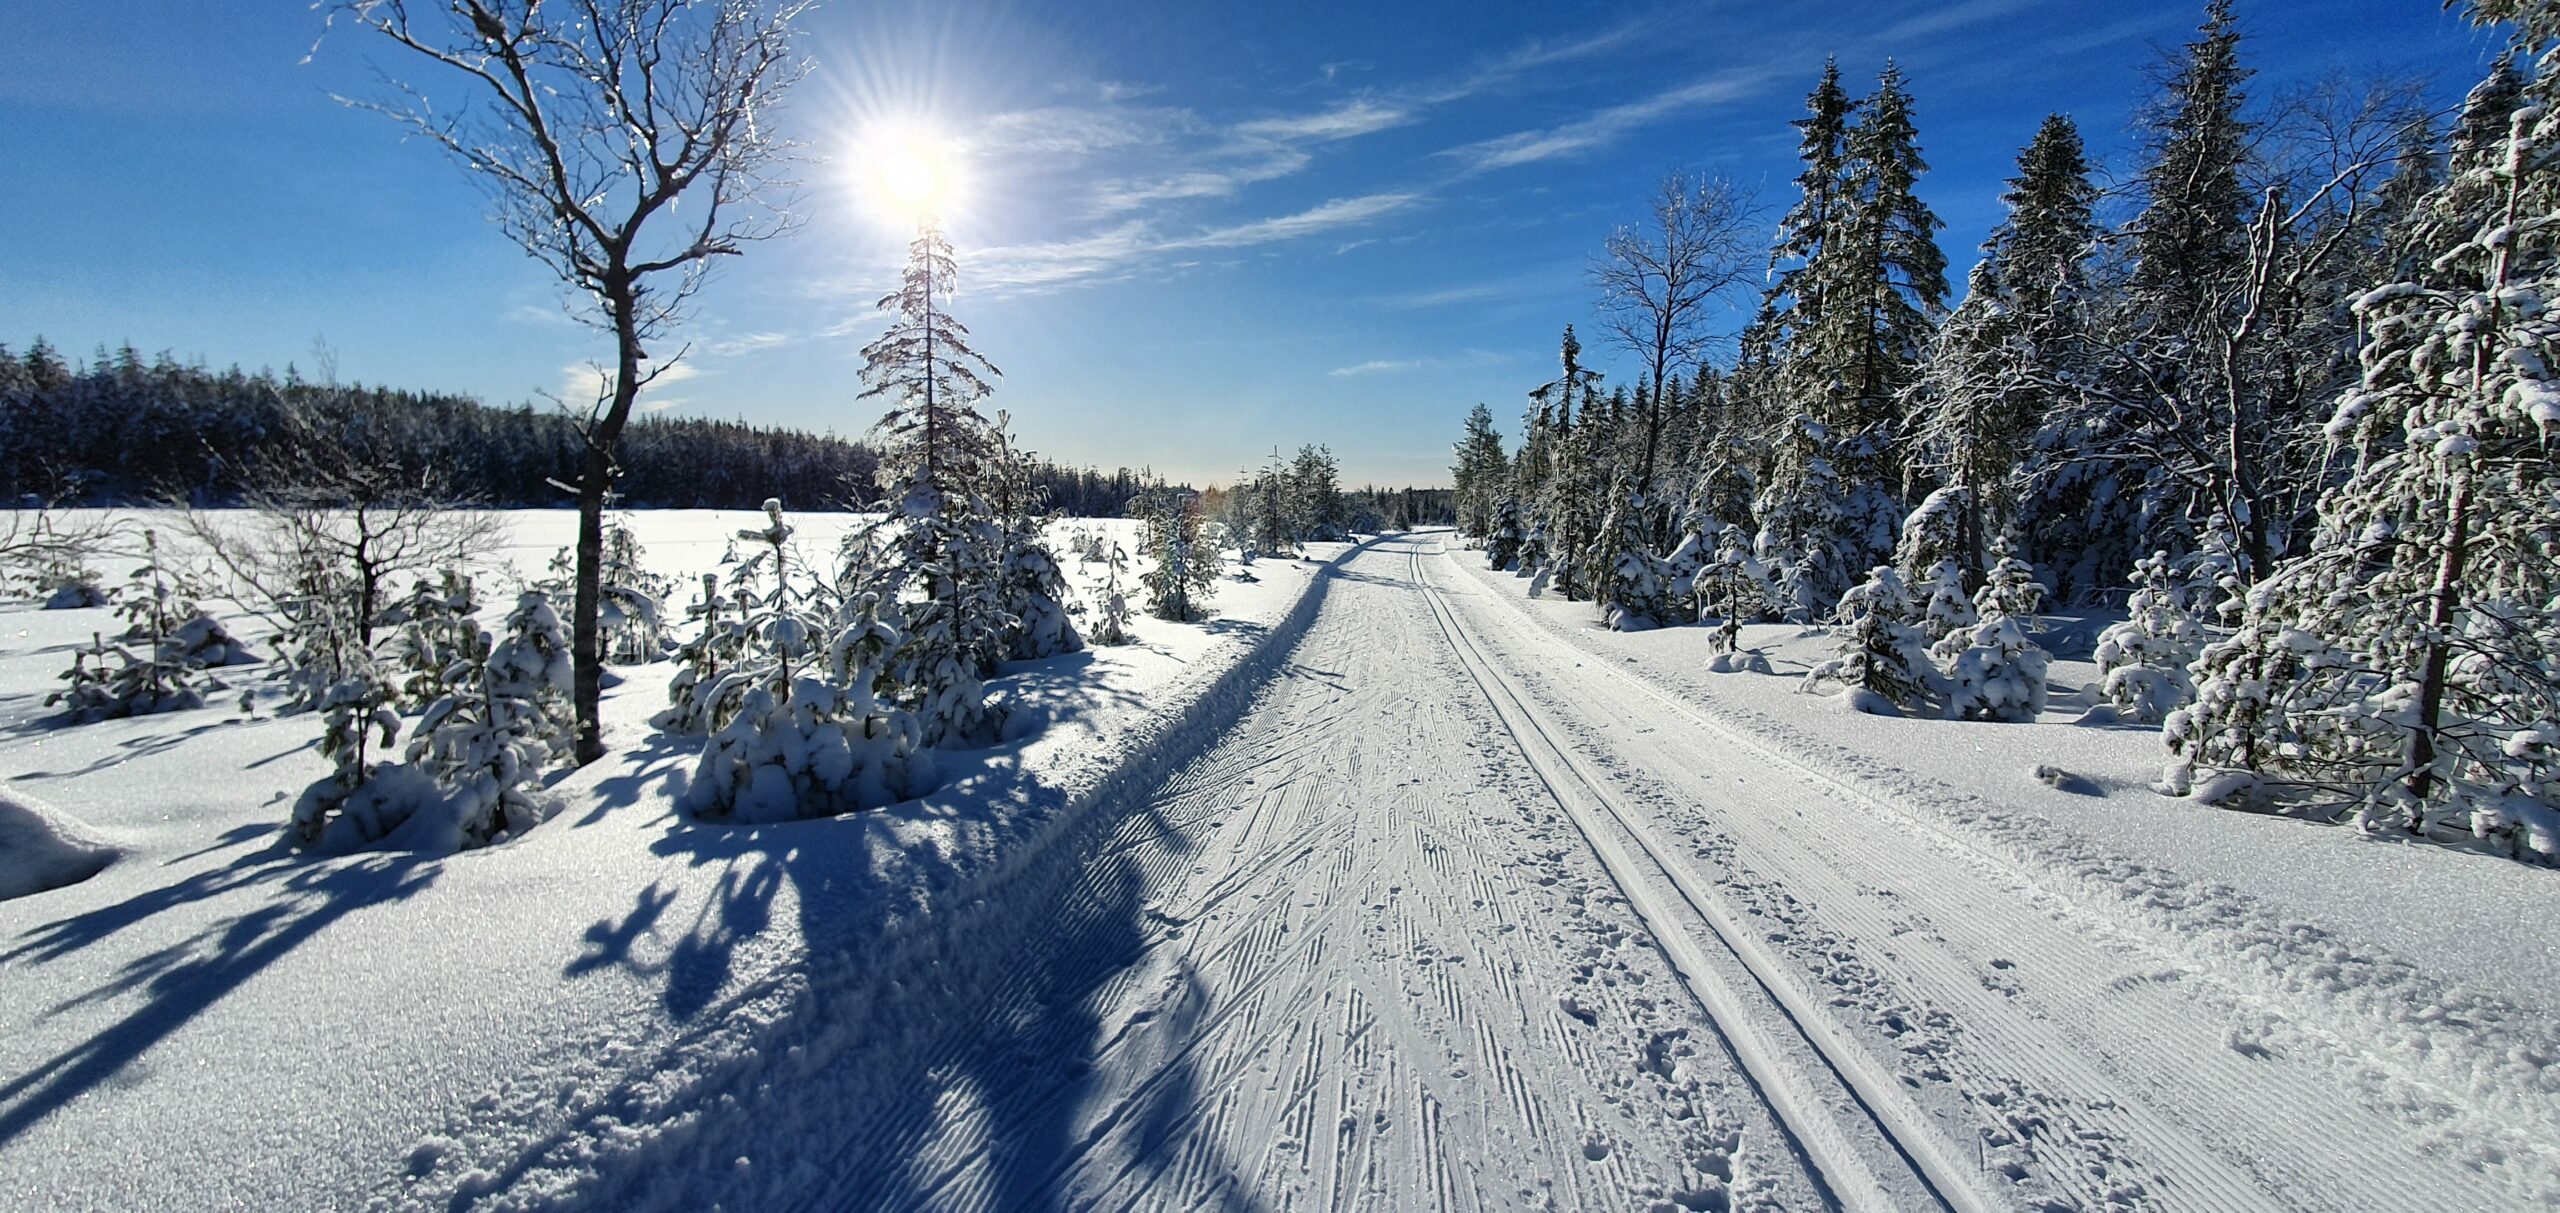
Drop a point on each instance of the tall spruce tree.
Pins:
(1479, 474)
(935, 447)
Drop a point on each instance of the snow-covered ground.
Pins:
(218, 1021)
(1389, 887)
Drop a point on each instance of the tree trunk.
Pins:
(586, 636)
(2444, 596)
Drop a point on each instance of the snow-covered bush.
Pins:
(815, 740)
(1883, 667)
(66, 583)
(46, 558)
(1998, 675)
(2142, 662)
(163, 615)
(361, 801)
(503, 718)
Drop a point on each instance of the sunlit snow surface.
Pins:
(1388, 886)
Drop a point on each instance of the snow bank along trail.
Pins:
(2056, 1059)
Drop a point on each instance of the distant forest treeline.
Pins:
(119, 430)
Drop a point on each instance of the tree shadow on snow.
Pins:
(179, 981)
(962, 1056)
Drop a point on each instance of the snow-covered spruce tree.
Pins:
(1034, 589)
(1801, 520)
(109, 681)
(1481, 475)
(1883, 665)
(2142, 662)
(816, 739)
(1995, 671)
(1575, 495)
(162, 613)
(322, 642)
(1276, 525)
(1180, 573)
(437, 621)
(1854, 310)
(719, 643)
(361, 800)
(1630, 590)
(936, 446)
(772, 626)
(1732, 588)
(505, 715)
(2010, 588)
(1315, 480)
(1931, 557)
(632, 600)
(1972, 411)
(1502, 538)
(2405, 669)
(1111, 598)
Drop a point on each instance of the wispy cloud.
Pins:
(1539, 281)
(1608, 125)
(1340, 212)
(1112, 253)
(1392, 366)
(1346, 121)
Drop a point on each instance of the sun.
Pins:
(909, 172)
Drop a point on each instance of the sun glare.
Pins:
(910, 173)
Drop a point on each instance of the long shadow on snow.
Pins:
(952, 1058)
(179, 981)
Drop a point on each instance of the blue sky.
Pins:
(1192, 231)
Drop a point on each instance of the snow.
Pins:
(41, 849)
(1386, 885)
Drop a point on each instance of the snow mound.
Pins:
(41, 849)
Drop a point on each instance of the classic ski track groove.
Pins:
(1842, 1146)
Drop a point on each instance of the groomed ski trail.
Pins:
(1354, 956)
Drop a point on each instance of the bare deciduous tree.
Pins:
(591, 120)
(1657, 281)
